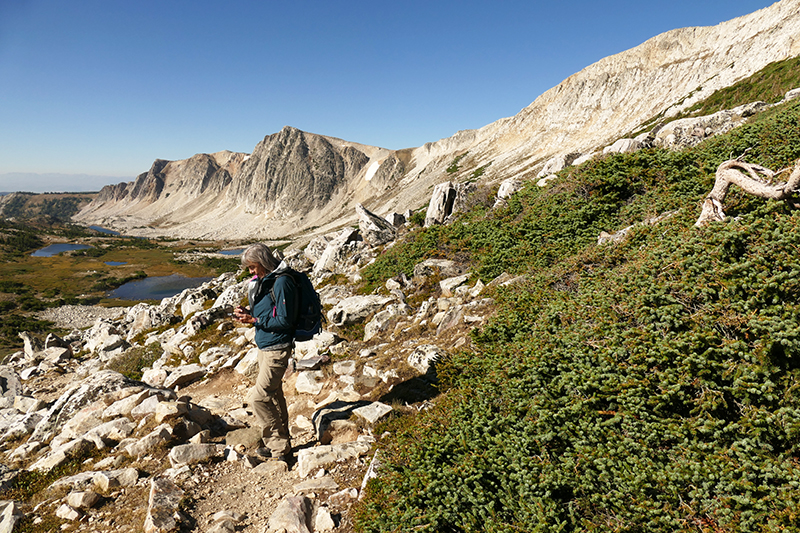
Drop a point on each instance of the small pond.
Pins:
(115, 263)
(156, 287)
(104, 230)
(54, 249)
(236, 251)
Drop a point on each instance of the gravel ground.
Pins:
(79, 316)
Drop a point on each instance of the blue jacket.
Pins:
(274, 328)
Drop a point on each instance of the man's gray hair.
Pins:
(260, 254)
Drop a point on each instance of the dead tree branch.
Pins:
(755, 180)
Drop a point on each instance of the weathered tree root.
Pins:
(758, 181)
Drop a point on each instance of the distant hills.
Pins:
(31, 182)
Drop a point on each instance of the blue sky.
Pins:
(103, 88)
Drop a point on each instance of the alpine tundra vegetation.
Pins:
(644, 385)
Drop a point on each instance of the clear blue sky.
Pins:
(104, 87)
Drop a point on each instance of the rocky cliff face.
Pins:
(622, 93)
(293, 172)
(295, 180)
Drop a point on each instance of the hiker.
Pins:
(273, 301)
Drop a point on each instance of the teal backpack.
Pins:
(309, 309)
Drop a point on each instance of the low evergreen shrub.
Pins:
(650, 385)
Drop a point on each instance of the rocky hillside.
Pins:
(145, 411)
(295, 181)
(58, 207)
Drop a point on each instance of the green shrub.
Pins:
(770, 84)
(418, 217)
(453, 167)
(133, 361)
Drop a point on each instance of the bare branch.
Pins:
(758, 181)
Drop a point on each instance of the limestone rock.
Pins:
(355, 309)
(113, 430)
(61, 455)
(451, 318)
(231, 296)
(124, 406)
(10, 514)
(170, 410)
(57, 355)
(19, 426)
(148, 406)
(309, 382)
(442, 267)
(344, 368)
(343, 498)
(584, 158)
(373, 412)
(341, 252)
(187, 454)
(80, 423)
(422, 357)
(312, 459)
(623, 146)
(317, 247)
(10, 383)
(553, 166)
(77, 397)
(396, 219)
(158, 437)
(374, 229)
(449, 285)
(441, 204)
(66, 512)
(184, 375)
(372, 472)
(248, 366)
(105, 340)
(214, 354)
(269, 468)
(323, 520)
(27, 404)
(31, 344)
(143, 317)
(382, 319)
(316, 346)
(507, 188)
(689, 132)
(83, 500)
(162, 509)
(112, 479)
(293, 515)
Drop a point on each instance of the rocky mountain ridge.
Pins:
(295, 181)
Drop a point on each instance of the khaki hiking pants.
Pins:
(269, 404)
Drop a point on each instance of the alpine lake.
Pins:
(52, 267)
